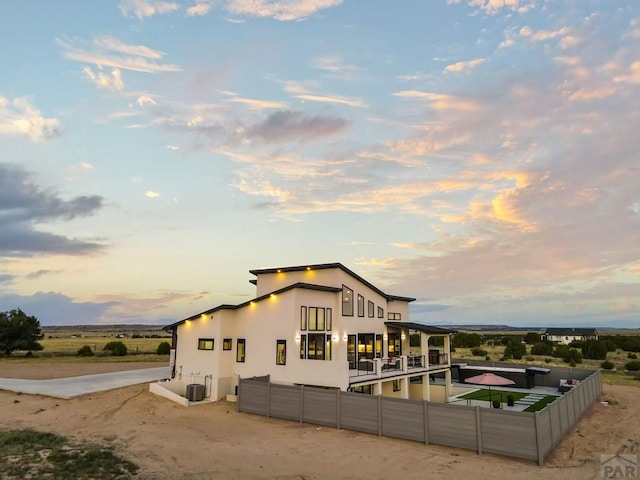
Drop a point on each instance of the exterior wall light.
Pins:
(385, 336)
(297, 337)
(403, 336)
(335, 337)
(345, 337)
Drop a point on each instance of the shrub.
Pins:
(542, 348)
(632, 356)
(466, 340)
(633, 366)
(117, 349)
(594, 349)
(532, 338)
(547, 360)
(496, 404)
(510, 400)
(572, 363)
(164, 348)
(487, 358)
(607, 365)
(85, 351)
(567, 354)
(515, 349)
(529, 358)
(478, 352)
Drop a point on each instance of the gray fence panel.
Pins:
(571, 409)
(284, 401)
(544, 435)
(508, 433)
(359, 412)
(563, 403)
(320, 406)
(403, 418)
(253, 397)
(453, 425)
(555, 420)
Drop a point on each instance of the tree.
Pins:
(466, 340)
(117, 349)
(542, 348)
(532, 338)
(594, 349)
(18, 331)
(164, 348)
(515, 349)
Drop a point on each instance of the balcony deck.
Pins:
(387, 367)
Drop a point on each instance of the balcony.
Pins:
(370, 369)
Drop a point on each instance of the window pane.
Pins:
(205, 344)
(240, 350)
(320, 319)
(360, 306)
(347, 301)
(303, 318)
(380, 312)
(281, 352)
(328, 320)
(370, 309)
(313, 318)
(328, 348)
(226, 344)
(303, 346)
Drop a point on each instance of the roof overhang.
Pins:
(428, 329)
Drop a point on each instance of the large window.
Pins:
(240, 350)
(316, 347)
(394, 316)
(205, 344)
(360, 306)
(370, 309)
(347, 301)
(316, 318)
(281, 352)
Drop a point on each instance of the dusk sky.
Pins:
(481, 156)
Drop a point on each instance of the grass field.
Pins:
(68, 345)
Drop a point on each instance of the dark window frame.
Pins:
(303, 347)
(281, 355)
(394, 316)
(202, 343)
(347, 301)
(380, 312)
(227, 344)
(360, 303)
(303, 318)
(371, 309)
(243, 342)
(328, 319)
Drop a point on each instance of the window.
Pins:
(380, 312)
(378, 346)
(347, 301)
(370, 309)
(394, 316)
(303, 346)
(360, 306)
(226, 344)
(281, 352)
(240, 350)
(328, 319)
(303, 318)
(396, 385)
(205, 344)
(316, 342)
(316, 318)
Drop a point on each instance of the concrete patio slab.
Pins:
(75, 386)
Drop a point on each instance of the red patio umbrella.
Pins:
(489, 379)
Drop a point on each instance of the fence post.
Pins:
(539, 438)
(425, 420)
(338, 402)
(268, 399)
(479, 430)
(301, 403)
(379, 415)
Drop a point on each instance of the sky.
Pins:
(481, 156)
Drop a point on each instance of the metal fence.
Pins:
(525, 435)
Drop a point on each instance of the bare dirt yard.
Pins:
(211, 441)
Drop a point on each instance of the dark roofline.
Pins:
(324, 266)
(421, 328)
(308, 286)
(570, 331)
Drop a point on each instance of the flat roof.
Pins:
(421, 327)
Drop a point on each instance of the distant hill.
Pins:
(493, 328)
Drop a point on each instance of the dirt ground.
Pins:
(211, 441)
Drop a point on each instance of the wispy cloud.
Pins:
(464, 66)
(285, 10)
(199, 9)
(109, 81)
(19, 116)
(151, 194)
(301, 92)
(257, 104)
(111, 52)
(146, 8)
(286, 126)
(335, 66)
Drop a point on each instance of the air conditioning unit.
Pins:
(195, 392)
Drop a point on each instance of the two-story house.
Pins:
(319, 325)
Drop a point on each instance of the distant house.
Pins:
(568, 335)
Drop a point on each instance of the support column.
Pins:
(404, 388)
(447, 385)
(447, 348)
(426, 394)
(377, 388)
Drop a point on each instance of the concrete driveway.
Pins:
(75, 386)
